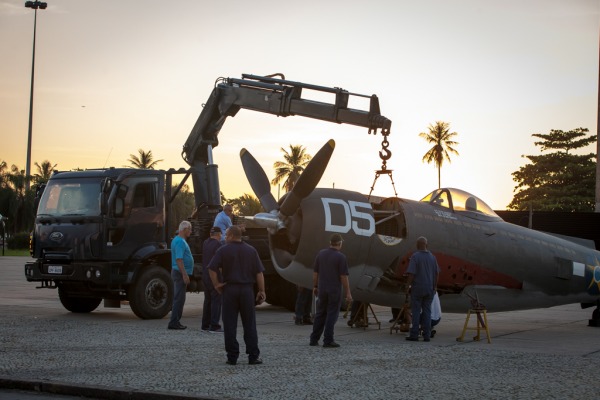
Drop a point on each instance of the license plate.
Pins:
(55, 269)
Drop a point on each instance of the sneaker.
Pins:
(256, 361)
(331, 345)
(220, 330)
(204, 329)
(412, 339)
(314, 343)
(178, 327)
(231, 362)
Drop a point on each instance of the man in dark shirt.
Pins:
(211, 309)
(241, 268)
(423, 271)
(330, 274)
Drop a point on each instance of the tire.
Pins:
(151, 295)
(78, 304)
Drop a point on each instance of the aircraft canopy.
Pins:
(458, 200)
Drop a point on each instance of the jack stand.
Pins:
(481, 324)
(361, 319)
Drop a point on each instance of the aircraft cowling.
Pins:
(321, 214)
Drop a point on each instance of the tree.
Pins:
(558, 181)
(291, 168)
(246, 205)
(440, 136)
(44, 171)
(144, 161)
(3, 177)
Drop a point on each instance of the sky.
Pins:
(115, 76)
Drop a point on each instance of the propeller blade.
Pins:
(309, 179)
(258, 181)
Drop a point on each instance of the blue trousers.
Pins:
(420, 307)
(238, 300)
(328, 311)
(178, 297)
(211, 308)
(303, 303)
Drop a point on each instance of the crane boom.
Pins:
(267, 94)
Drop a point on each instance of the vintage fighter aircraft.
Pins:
(505, 266)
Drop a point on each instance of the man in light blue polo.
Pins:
(182, 266)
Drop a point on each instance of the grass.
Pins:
(13, 252)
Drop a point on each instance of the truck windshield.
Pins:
(65, 197)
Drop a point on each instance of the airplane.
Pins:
(504, 266)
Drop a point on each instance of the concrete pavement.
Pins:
(110, 353)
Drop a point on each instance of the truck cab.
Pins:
(101, 234)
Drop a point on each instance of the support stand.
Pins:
(481, 324)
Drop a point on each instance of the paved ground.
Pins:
(110, 353)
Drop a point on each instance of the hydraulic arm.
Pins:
(271, 95)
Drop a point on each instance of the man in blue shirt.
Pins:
(329, 276)
(423, 272)
(182, 266)
(241, 268)
(224, 219)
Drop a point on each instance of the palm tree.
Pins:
(290, 169)
(45, 171)
(439, 135)
(144, 161)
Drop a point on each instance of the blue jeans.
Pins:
(303, 303)
(211, 309)
(178, 297)
(420, 307)
(328, 310)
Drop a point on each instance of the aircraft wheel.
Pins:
(151, 295)
(77, 304)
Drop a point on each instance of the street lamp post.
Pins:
(35, 5)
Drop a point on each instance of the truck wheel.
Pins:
(151, 295)
(78, 304)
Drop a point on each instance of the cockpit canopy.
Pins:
(457, 200)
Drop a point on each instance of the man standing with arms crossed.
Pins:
(241, 269)
(329, 276)
(423, 272)
(182, 266)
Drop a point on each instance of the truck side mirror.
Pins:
(39, 189)
(116, 200)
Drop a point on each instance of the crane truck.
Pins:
(102, 234)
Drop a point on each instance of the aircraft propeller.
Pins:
(306, 183)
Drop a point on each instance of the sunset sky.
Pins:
(114, 76)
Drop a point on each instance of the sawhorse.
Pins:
(481, 324)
